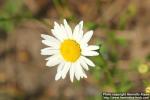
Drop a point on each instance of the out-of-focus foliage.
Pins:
(11, 13)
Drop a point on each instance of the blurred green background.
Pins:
(121, 29)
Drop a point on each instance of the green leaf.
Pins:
(122, 41)
(91, 25)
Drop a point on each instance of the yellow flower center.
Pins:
(70, 50)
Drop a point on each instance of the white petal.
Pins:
(51, 43)
(83, 74)
(65, 69)
(49, 39)
(83, 64)
(72, 71)
(68, 29)
(60, 67)
(45, 36)
(92, 47)
(83, 45)
(80, 36)
(49, 51)
(78, 32)
(57, 33)
(88, 61)
(64, 31)
(58, 76)
(81, 24)
(53, 60)
(77, 70)
(59, 71)
(89, 53)
(87, 37)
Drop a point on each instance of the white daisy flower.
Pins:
(68, 49)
